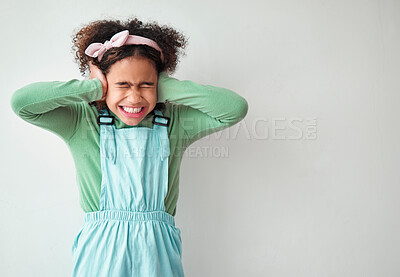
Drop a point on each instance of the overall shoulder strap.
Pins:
(105, 118)
(159, 119)
(107, 135)
(160, 124)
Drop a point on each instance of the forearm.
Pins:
(206, 109)
(53, 105)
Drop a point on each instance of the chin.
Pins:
(132, 123)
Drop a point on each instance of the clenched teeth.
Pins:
(132, 110)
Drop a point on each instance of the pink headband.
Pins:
(122, 38)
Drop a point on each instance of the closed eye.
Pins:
(126, 84)
(147, 85)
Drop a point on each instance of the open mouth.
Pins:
(132, 112)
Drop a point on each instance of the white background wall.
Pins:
(285, 201)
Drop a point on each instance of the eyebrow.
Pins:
(131, 84)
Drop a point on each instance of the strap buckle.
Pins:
(159, 123)
(107, 122)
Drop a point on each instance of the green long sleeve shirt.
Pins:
(63, 108)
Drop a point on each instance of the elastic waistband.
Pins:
(130, 216)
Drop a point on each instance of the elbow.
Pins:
(16, 102)
(243, 108)
(236, 111)
(22, 97)
(239, 109)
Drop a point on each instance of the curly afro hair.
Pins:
(168, 39)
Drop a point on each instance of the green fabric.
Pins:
(194, 110)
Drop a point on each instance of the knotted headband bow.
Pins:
(122, 38)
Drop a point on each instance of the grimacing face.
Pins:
(132, 89)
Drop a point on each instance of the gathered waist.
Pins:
(129, 216)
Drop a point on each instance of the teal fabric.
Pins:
(131, 234)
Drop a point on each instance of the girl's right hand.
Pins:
(95, 72)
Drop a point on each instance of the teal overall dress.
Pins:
(131, 234)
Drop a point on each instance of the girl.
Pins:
(127, 129)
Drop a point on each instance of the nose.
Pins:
(134, 96)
